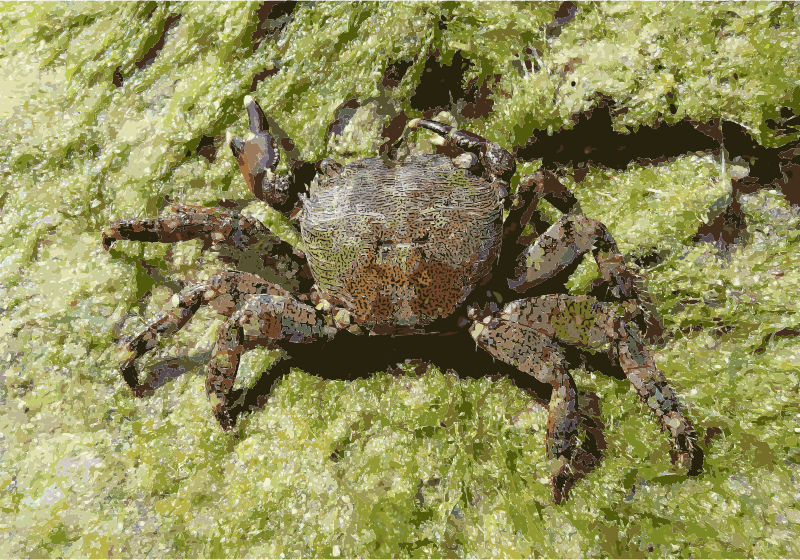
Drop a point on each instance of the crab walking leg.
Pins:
(523, 207)
(164, 229)
(183, 307)
(563, 244)
(524, 211)
(193, 222)
(534, 352)
(583, 321)
(276, 318)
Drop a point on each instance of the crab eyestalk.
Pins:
(258, 157)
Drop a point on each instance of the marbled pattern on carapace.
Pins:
(401, 245)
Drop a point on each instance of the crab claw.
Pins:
(235, 143)
(258, 122)
(258, 157)
(498, 161)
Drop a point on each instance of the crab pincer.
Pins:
(258, 157)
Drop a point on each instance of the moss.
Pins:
(426, 465)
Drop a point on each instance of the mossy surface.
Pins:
(425, 465)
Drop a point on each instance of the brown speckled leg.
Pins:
(523, 208)
(234, 285)
(536, 353)
(187, 222)
(564, 243)
(242, 241)
(266, 312)
(275, 318)
(583, 321)
(526, 334)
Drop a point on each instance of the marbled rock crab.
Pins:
(412, 248)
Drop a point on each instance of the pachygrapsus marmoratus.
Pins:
(409, 249)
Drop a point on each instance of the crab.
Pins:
(409, 249)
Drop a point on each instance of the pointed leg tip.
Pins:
(248, 99)
(138, 392)
(227, 428)
(691, 460)
(131, 377)
(108, 241)
(414, 123)
(132, 383)
(560, 489)
(561, 482)
(225, 421)
(695, 463)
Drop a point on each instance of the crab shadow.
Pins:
(349, 357)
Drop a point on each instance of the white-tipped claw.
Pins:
(248, 99)
(228, 137)
(414, 123)
(439, 141)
